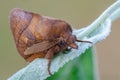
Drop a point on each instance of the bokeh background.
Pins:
(79, 13)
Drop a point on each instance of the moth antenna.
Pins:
(84, 41)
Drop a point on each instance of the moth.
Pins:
(38, 36)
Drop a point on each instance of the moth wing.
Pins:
(39, 47)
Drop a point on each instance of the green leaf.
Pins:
(81, 68)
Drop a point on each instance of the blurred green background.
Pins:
(79, 13)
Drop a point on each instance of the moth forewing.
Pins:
(35, 48)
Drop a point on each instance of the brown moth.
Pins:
(39, 36)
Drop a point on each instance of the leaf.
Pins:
(96, 32)
(80, 68)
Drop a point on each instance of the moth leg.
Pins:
(49, 62)
(49, 56)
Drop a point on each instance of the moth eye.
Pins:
(62, 43)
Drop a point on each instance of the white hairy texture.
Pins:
(96, 32)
